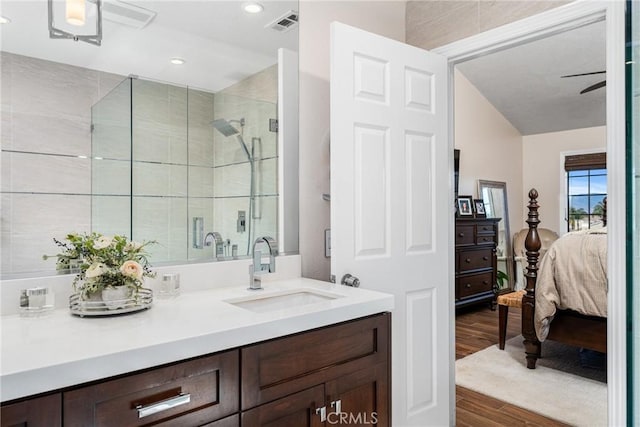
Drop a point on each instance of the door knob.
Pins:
(349, 280)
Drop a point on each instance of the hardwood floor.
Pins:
(477, 329)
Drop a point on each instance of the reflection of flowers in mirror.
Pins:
(103, 262)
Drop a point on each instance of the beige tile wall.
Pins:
(253, 99)
(46, 117)
(430, 24)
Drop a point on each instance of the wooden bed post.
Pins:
(532, 245)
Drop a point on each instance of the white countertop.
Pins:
(58, 349)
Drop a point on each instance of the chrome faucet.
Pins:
(216, 237)
(257, 269)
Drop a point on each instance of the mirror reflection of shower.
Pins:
(226, 128)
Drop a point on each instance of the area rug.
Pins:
(559, 388)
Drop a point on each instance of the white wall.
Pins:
(386, 18)
(543, 168)
(490, 148)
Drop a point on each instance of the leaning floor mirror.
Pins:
(494, 195)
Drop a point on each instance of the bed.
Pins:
(574, 315)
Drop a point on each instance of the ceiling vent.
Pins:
(126, 14)
(285, 22)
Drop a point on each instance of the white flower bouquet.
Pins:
(104, 262)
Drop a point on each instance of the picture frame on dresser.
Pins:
(478, 208)
(464, 207)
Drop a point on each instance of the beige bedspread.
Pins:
(572, 275)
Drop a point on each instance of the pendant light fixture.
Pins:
(75, 14)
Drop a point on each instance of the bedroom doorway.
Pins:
(500, 121)
(565, 18)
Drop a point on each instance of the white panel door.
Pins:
(390, 206)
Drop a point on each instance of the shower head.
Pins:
(224, 127)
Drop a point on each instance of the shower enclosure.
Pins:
(172, 164)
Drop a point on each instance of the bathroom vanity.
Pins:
(300, 353)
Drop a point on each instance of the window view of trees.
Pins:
(587, 190)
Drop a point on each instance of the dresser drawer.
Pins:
(194, 392)
(486, 229)
(484, 239)
(470, 260)
(465, 235)
(475, 284)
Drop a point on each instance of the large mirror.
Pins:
(494, 195)
(181, 127)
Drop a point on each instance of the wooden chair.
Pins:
(512, 299)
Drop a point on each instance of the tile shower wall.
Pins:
(201, 168)
(160, 167)
(50, 179)
(182, 168)
(169, 154)
(231, 186)
(46, 144)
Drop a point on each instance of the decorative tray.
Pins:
(81, 307)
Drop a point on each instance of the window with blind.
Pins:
(586, 190)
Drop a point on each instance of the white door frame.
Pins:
(554, 21)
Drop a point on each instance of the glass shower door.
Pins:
(111, 162)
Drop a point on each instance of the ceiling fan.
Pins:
(598, 85)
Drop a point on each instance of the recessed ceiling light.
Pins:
(4, 20)
(253, 7)
(177, 61)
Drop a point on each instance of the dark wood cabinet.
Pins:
(296, 410)
(194, 392)
(475, 260)
(339, 374)
(336, 373)
(45, 411)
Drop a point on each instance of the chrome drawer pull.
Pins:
(460, 234)
(485, 258)
(468, 260)
(468, 285)
(338, 405)
(163, 405)
(323, 413)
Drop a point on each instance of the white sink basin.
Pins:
(263, 302)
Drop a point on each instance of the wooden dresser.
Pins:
(476, 262)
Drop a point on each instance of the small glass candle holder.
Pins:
(36, 301)
(170, 285)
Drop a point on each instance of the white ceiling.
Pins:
(524, 82)
(220, 42)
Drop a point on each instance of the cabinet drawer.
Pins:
(486, 229)
(475, 284)
(232, 421)
(465, 235)
(211, 384)
(45, 411)
(282, 366)
(470, 260)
